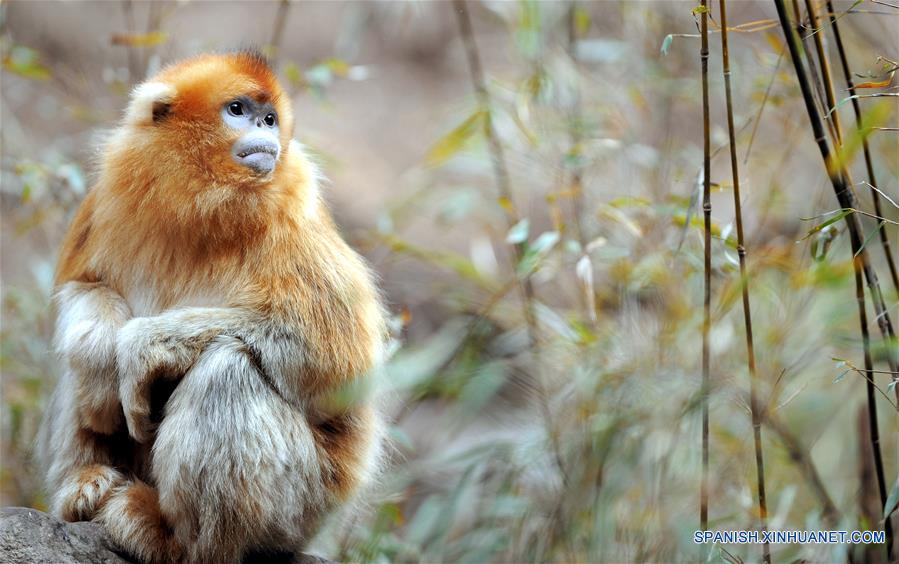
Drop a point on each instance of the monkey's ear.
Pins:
(151, 102)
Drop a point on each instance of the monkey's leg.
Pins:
(235, 466)
(80, 462)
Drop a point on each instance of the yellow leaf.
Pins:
(25, 62)
(140, 39)
(775, 42)
(581, 20)
(881, 84)
(455, 140)
(876, 116)
(338, 66)
(617, 215)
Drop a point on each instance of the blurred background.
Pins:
(545, 385)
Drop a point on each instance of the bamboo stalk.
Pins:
(577, 180)
(873, 429)
(128, 12)
(707, 268)
(278, 30)
(574, 129)
(503, 185)
(875, 196)
(857, 267)
(744, 282)
(843, 193)
(824, 64)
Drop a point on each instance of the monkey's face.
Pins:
(258, 146)
(217, 120)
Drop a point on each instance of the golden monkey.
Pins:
(204, 262)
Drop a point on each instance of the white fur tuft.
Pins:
(140, 109)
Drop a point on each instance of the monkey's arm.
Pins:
(165, 347)
(90, 316)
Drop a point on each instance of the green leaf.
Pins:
(833, 219)
(455, 140)
(519, 232)
(545, 242)
(869, 236)
(893, 498)
(26, 62)
(666, 44)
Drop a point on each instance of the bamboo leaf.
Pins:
(519, 232)
(666, 44)
(151, 39)
(546, 241)
(882, 84)
(869, 236)
(455, 140)
(893, 499)
(25, 62)
(777, 45)
(833, 219)
(615, 214)
(581, 20)
(876, 116)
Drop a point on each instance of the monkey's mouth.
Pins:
(258, 149)
(260, 155)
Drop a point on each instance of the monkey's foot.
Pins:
(83, 495)
(135, 523)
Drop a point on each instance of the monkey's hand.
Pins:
(90, 315)
(163, 347)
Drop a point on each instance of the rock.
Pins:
(28, 536)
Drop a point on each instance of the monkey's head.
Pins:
(212, 122)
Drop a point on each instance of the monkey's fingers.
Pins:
(140, 427)
(137, 413)
(85, 492)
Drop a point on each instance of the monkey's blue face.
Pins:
(258, 147)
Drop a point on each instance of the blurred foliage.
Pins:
(583, 444)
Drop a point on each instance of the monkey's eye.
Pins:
(235, 108)
(269, 120)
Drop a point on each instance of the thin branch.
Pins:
(868, 376)
(758, 117)
(574, 130)
(879, 191)
(800, 456)
(744, 277)
(503, 184)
